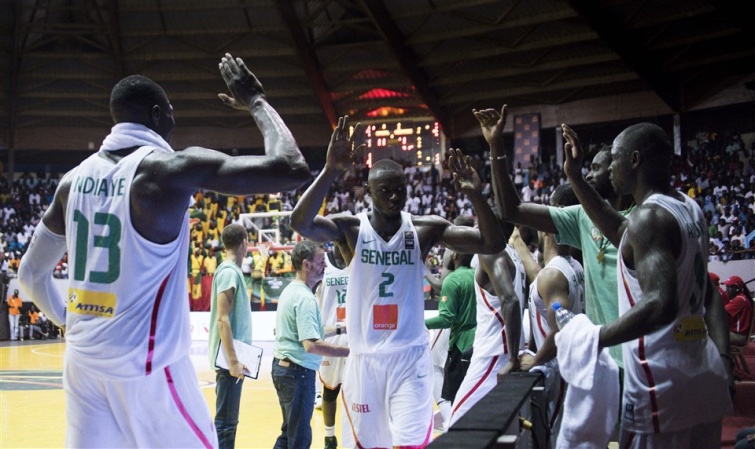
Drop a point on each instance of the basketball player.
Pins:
(570, 225)
(332, 293)
(561, 280)
(387, 390)
(674, 336)
(122, 215)
(499, 287)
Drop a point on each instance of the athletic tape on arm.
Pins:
(35, 272)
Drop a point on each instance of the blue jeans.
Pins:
(228, 394)
(295, 386)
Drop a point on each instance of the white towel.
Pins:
(591, 406)
(127, 135)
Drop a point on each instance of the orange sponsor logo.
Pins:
(385, 317)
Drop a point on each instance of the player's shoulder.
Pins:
(650, 217)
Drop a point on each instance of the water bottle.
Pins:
(563, 315)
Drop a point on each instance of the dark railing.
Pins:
(512, 415)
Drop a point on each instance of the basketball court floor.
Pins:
(32, 402)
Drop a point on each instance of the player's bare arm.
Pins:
(498, 272)
(531, 267)
(653, 256)
(611, 223)
(341, 155)
(225, 305)
(553, 287)
(717, 322)
(510, 205)
(164, 179)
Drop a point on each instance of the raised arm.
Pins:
(341, 154)
(531, 267)
(507, 198)
(488, 239)
(282, 167)
(611, 223)
(654, 260)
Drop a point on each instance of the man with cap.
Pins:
(739, 308)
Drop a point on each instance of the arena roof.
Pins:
(366, 58)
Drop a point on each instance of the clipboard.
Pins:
(249, 355)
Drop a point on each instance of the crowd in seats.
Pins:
(23, 203)
(720, 174)
(718, 171)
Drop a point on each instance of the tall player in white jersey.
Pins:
(332, 296)
(499, 287)
(123, 217)
(675, 337)
(387, 390)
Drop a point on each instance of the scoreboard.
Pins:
(419, 142)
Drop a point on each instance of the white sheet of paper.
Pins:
(249, 355)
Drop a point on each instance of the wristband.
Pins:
(338, 329)
(498, 158)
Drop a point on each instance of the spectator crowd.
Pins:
(718, 172)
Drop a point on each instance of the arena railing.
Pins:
(512, 415)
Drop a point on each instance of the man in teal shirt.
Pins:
(230, 318)
(299, 346)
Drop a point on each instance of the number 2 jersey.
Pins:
(127, 312)
(385, 299)
(674, 377)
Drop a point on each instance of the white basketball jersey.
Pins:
(674, 378)
(574, 274)
(386, 308)
(490, 334)
(334, 283)
(128, 309)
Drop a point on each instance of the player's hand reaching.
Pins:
(242, 83)
(492, 123)
(574, 156)
(526, 361)
(466, 179)
(511, 365)
(341, 151)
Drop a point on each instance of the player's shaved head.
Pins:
(383, 167)
(132, 99)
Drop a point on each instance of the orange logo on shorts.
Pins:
(385, 317)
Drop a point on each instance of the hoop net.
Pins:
(268, 230)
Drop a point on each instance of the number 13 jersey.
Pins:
(385, 299)
(127, 312)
